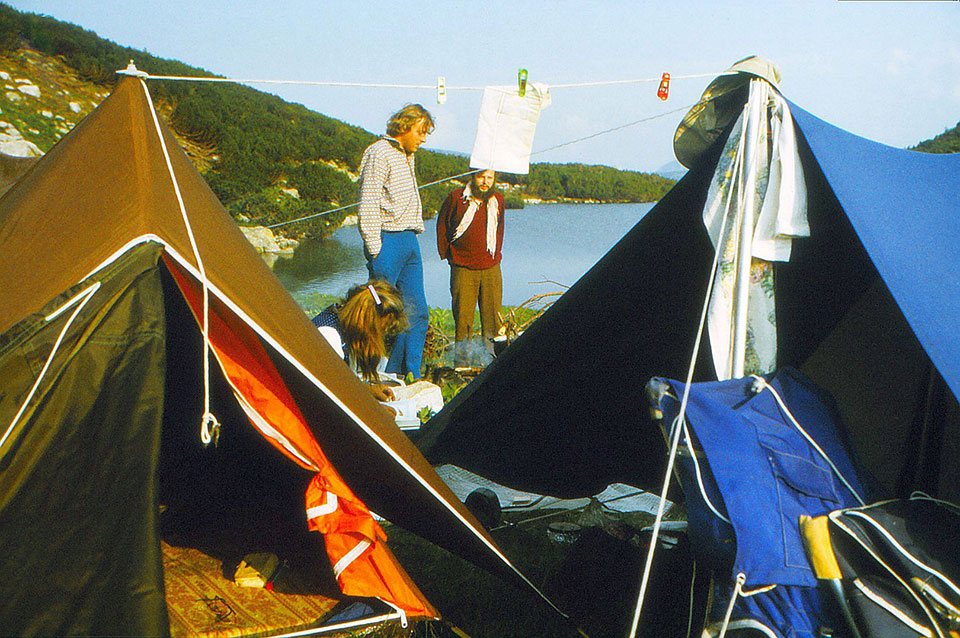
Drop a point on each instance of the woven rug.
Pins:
(202, 602)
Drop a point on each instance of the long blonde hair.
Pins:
(366, 324)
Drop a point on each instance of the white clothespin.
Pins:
(373, 292)
(441, 90)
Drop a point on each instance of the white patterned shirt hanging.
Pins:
(779, 211)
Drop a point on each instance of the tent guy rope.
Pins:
(675, 432)
(209, 426)
(80, 300)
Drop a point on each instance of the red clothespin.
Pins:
(522, 81)
(664, 91)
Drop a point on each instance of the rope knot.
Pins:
(209, 429)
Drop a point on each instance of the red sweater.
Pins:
(470, 249)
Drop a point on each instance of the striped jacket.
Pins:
(389, 199)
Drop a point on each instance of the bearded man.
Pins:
(470, 239)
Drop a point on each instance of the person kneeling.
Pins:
(359, 327)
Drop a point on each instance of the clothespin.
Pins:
(664, 91)
(522, 81)
(441, 90)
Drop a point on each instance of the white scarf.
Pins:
(493, 216)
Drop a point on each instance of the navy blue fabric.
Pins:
(766, 472)
(761, 473)
(328, 318)
(905, 208)
(792, 612)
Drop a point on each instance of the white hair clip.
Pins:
(373, 291)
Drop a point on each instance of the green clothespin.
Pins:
(522, 81)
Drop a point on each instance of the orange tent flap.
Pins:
(363, 568)
(252, 374)
(354, 541)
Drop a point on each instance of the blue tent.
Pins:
(905, 209)
(868, 307)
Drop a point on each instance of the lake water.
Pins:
(542, 243)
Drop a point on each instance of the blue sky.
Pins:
(886, 70)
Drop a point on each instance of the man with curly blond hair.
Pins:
(390, 218)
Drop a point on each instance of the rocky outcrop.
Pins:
(12, 142)
(265, 241)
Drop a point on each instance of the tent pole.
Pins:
(745, 243)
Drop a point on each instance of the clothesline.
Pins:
(133, 71)
(377, 85)
(471, 172)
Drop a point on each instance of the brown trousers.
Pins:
(467, 289)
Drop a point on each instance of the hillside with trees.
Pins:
(269, 160)
(946, 142)
(552, 182)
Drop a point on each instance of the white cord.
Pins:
(379, 85)
(696, 467)
(83, 297)
(675, 439)
(783, 406)
(403, 614)
(210, 427)
(615, 128)
(741, 579)
(333, 210)
(693, 582)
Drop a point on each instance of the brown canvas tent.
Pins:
(12, 168)
(106, 246)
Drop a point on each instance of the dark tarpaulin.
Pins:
(78, 470)
(561, 411)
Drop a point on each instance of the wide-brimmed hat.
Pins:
(721, 103)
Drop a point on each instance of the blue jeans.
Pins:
(400, 264)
